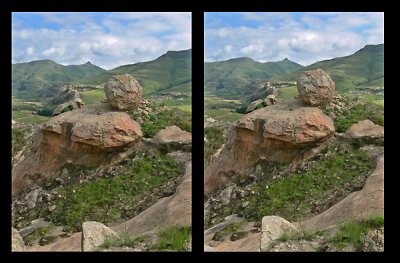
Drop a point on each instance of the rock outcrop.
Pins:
(123, 92)
(90, 137)
(173, 138)
(363, 204)
(273, 228)
(94, 234)
(282, 133)
(253, 105)
(315, 87)
(366, 132)
(17, 244)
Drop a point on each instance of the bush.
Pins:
(45, 112)
(259, 106)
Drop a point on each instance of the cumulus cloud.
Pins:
(301, 37)
(105, 39)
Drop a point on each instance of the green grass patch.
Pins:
(173, 239)
(93, 96)
(39, 234)
(108, 199)
(228, 231)
(27, 117)
(350, 232)
(292, 197)
(123, 241)
(288, 93)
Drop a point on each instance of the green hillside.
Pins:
(238, 77)
(362, 69)
(168, 72)
(43, 77)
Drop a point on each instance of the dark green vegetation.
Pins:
(238, 77)
(214, 140)
(351, 232)
(109, 196)
(303, 192)
(173, 239)
(364, 68)
(172, 71)
(361, 110)
(42, 79)
(153, 123)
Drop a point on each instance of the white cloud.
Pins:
(304, 38)
(111, 40)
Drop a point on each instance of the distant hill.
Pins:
(42, 78)
(238, 77)
(364, 68)
(171, 71)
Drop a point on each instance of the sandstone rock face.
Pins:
(282, 132)
(123, 92)
(250, 243)
(94, 234)
(17, 244)
(273, 227)
(90, 136)
(366, 131)
(363, 204)
(229, 220)
(173, 138)
(315, 87)
(252, 106)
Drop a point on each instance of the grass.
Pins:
(288, 93)
(110, 198)
(168, 117)
(27, 117)
(173, 239)
(361, 111)
(291, 197)
(221, 109)
(92, 96)
(39, 234)
(350, 232)
(123, 241)
(214, 140)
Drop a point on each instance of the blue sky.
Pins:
(301, 37)
(105, 39)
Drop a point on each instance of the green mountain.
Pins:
(238, 77)
(170, 72)
(361, 69)
(42, 78)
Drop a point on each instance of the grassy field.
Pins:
(220, 109)
(288, 93)
(27, 117)
(92, 96)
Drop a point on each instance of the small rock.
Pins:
(32, 197)
(245, 204)
(94, 234)
(52, 208)
(17, 242)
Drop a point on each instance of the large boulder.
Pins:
(94, 234)
(366, 132)
(253, 105)
(273, 228)
(17, 243)
(123, 92)
(364, 204)
(315, 87)
(91, 136)
(283, 132)
(173, 138)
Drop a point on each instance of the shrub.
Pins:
(45, 112)
(173, 238)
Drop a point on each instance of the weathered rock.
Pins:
(71, 105)
(315, 87)
(94, 234)
(35, 224)
(273, 227)
(173, 138)
(229, 220)
(373, 240)
(252, 106)
(226, 195)
(284, 132)
(32, 197)
(209, 249)
(123, 92)
(17, 244)
(271, 98)
(363, 204)
(72, 243)
(91, 136)
(250, 243)
(366, 132)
